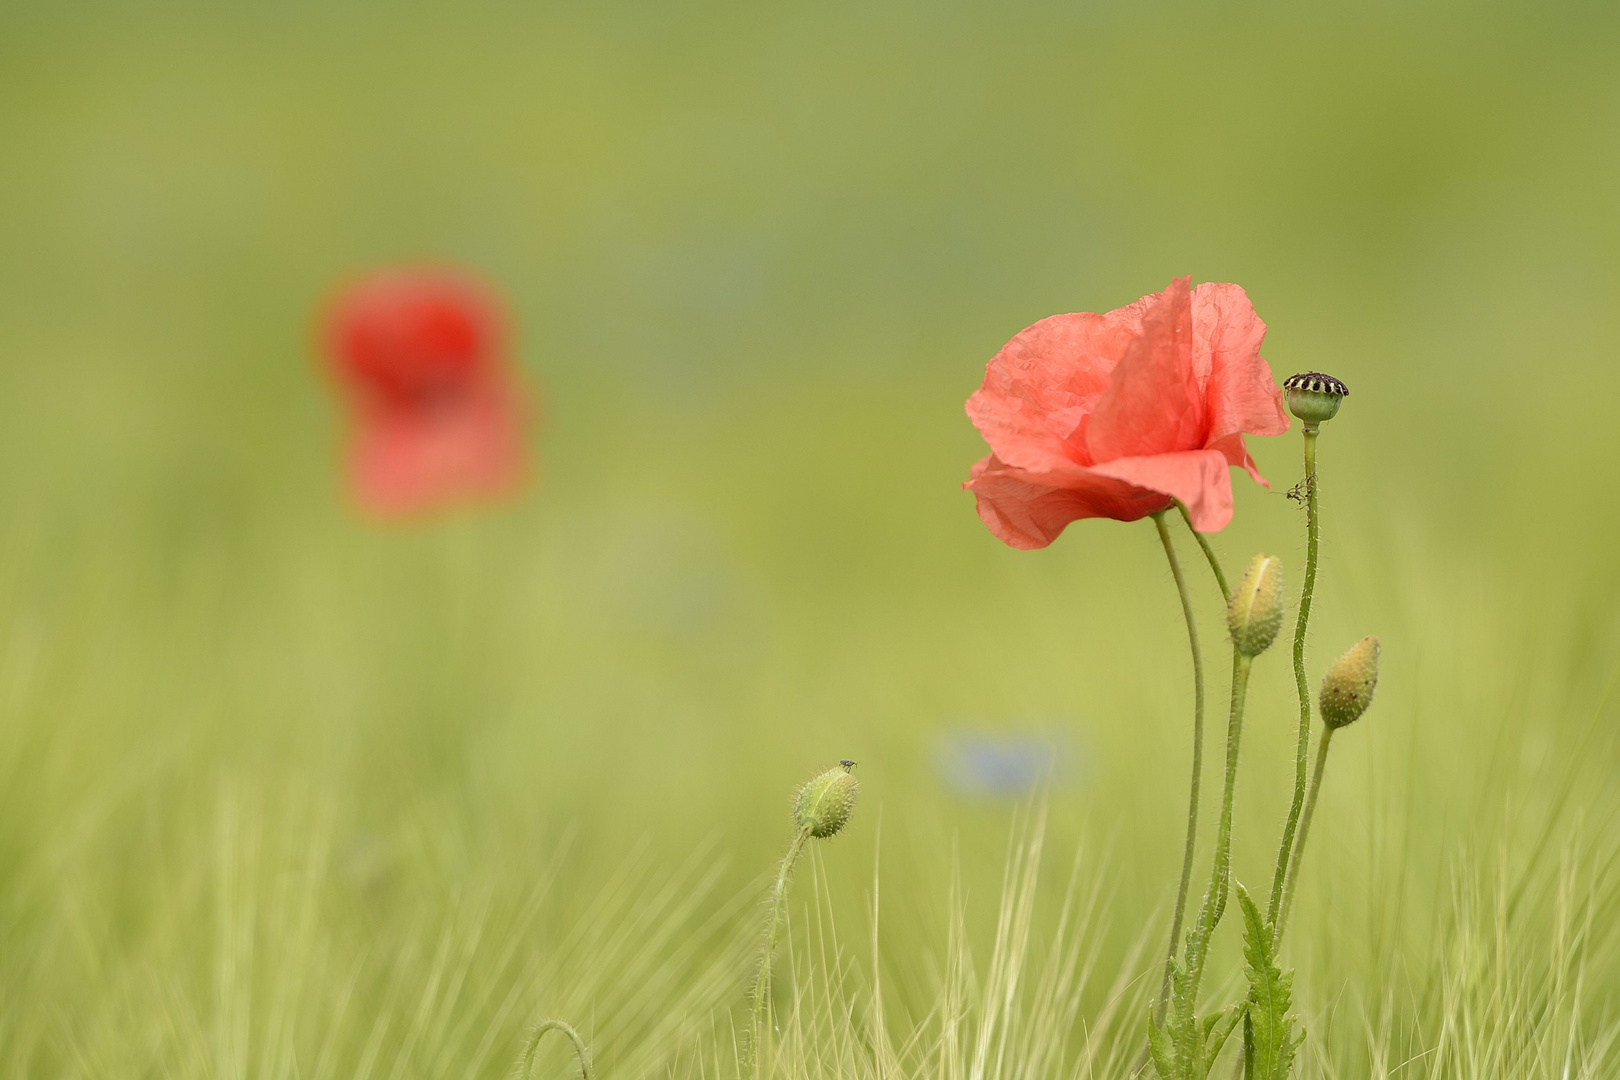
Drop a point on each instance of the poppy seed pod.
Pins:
(1314, 397)
(826, 802)
(1255, 612)
(1347, 688)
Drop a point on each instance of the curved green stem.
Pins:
(1304, 831)
(1214, 904)
(762, 985)
(1209, 552)
(573, 1037)
(1197, 762)
(1303, 746)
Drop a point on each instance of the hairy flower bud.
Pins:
(1314, 397)
(826, 801)
(1347, 688)
(1255, 612)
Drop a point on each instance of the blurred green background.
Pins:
(757, 256)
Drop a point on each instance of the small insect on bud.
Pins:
(1314, 397)
(1255, 612)
(826, 801)
(1347, 688)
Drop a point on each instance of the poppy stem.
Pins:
(540, 1029)
(1197, 762)
(1214, 904)
(1303, 746)
(762, 985)
(1304, 831)
(1209, 552)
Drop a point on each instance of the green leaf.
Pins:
(1269, 1032)
(1176, 1045)
(1218, 1028)
(1162, 1048)
(1185, 1045)
(1170, 1043)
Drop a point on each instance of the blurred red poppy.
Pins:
(1118, 415)
(437, 416)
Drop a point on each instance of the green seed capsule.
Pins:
(1314, 397)
(1347, 688)
(826, 801)
(1255, 612)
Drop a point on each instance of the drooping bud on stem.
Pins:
(822, 807)
(1347, 688)
(826, 801)
(1255, 612)
(1314, 397)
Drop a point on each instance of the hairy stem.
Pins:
(1304, 831)
(1214, 904)
(573, 1037)
(1197, 763)
(1209, 552)
(1303, 746)
(762, 985)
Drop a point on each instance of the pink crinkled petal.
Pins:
(1042, 384)
(1241, 392)
(1237, 455)
(406, 464)
(1030, 510)
(1199, 478)
(1153, 405)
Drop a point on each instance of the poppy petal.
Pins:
(1030, 510)
(1241, 392)
(403, 337)
(400, 464)
(1237, 455)
(1153, 405)
(1200, 479)
(1043, 383)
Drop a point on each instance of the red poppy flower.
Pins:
(437, 416)
(1117, 415)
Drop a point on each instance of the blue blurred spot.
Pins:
(997, 765)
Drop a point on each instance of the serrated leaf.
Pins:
(1162, 1049)
(1218, 1028)
(1176, 1045)
(1269, 1037)
(1184, 1031)
(1171, 1042)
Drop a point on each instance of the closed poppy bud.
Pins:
(1347, 688)
(1314, 397)
(1255, 612)
(826, 802)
